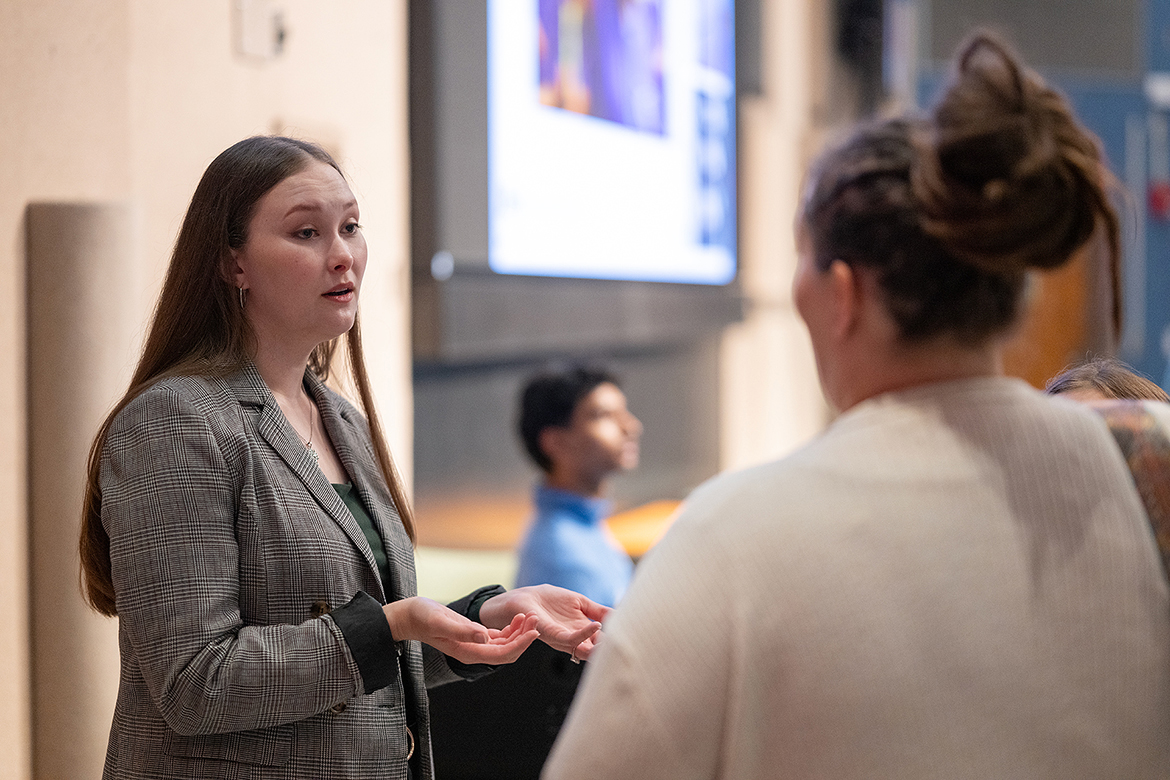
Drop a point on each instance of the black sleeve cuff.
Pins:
(364, 626)
(468, 606)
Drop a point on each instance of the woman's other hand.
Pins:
(452, 634)
(565, 620)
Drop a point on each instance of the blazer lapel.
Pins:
(349, 435)
(275, 429)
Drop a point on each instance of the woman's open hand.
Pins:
(452, 634)
(565, 620)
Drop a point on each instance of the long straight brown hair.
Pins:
(199, 328)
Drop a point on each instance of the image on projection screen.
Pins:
(611, 139)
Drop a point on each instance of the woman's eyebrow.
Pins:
(316, 205)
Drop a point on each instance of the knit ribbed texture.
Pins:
(956, 581)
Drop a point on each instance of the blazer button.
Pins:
(319, 608)
(337, 709)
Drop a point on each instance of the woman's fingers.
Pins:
(583, 649)
(563, 635)
(586, 648)
(520, 623)
(500, 650)
(454, 635)
(443, 622)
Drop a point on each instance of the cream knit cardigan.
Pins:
(956, 581)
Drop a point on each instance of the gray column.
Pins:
(84, 316)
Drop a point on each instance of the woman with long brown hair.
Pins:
(246, 524)
(957, 578)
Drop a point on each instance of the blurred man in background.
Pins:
(576, 427)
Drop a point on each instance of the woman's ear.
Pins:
(846, 298)
(233, 272)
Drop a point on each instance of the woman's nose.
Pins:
(340, 254)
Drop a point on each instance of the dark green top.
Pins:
(354, 504)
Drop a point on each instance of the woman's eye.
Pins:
(352, 228)
(306, 233)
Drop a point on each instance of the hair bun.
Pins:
(1006, 177)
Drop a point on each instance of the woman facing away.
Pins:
(957, 578)
(247, 526)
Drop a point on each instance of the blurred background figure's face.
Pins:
(602, 436)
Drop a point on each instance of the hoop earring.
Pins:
(243, 296)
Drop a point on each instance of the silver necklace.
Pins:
(312, 427)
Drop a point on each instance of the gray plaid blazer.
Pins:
(252, 639)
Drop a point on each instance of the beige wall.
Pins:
(771, 401)
(127, 101)
(64, 136)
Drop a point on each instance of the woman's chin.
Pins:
(342, 325)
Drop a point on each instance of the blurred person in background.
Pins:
(957, 579)
(575, 425)
(1104, 378)
(1137, 412)
(1141, 428)
(246, 524)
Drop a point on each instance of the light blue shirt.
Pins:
(567, 545)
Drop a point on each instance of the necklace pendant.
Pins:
(313, 452)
